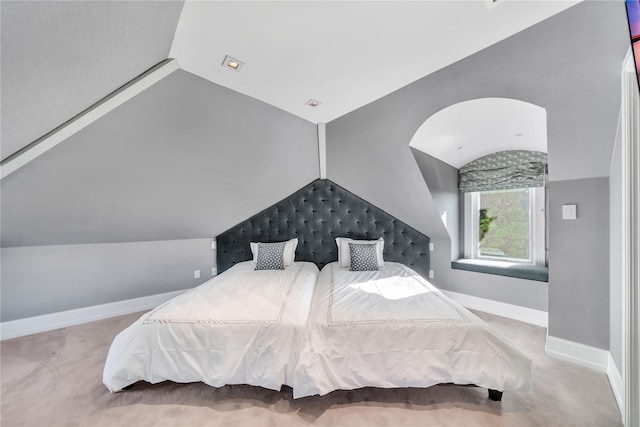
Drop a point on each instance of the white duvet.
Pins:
(392, 328)
(241, 327)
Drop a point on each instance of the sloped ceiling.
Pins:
(343, 54)
(60, 57)
(564, 64)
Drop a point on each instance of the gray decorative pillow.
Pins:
(363, 257)
(270, 256)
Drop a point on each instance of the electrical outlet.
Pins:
(196, 274)
(214, 271)
(431, 247)
(430, 274)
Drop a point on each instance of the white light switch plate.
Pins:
(569, 212)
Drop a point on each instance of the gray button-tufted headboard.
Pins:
(316, 215)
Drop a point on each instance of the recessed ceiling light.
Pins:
(313, 103)
(232, 63)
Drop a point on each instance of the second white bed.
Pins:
(392, 328)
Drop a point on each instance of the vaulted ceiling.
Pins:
(342, 54)
(60, 57)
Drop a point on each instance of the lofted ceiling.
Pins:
(61, 57)
(342, 54)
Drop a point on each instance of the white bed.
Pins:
(241, 327)
(392, 328)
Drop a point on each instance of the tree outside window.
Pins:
(504, 224)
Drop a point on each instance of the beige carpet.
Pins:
(55, 378)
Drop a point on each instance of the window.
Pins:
(505, 225)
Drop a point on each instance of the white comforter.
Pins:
(241, 327)
(392, 328)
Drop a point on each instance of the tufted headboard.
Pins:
(316, 215)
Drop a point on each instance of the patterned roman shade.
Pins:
(504, 170)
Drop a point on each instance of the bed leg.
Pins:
(495, 395)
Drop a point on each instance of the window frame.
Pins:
(537, 230)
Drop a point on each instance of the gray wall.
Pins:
(579, 262)
(442, 182)
(45, 279)
(553, 64)
(615, 255)
(563, 64)
(60, 57)
(369, 155)
(187, 159)
(510, 290)
(182, 161)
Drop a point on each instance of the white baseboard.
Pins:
(516, 312)
(615, 379)
(581, 354)
(590, 357)
(585, 355)
(49, 322)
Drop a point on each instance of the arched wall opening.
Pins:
(463, 132)
(471, 129)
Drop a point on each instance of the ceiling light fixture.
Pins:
(313, 103)
(232, 63)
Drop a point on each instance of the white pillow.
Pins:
(344, 256)
(289, 254)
